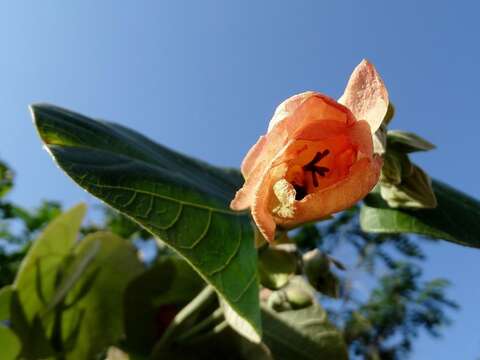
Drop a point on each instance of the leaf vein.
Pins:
(230, 258)
(202, 235)
(183, 202)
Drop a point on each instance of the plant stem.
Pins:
(197, 328)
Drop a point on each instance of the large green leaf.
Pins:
(9, 344)
(93, 318)
(60, 303)
(35, 280)
(183, 201)
(35, 283)
(304, 334)
(35, 344)
(456, 218)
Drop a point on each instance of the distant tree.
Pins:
(18, 226)
(400, 304)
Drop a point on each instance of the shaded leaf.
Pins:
(454, 219)
(413, 191)
(407, 142)
(276, 266)
(10, 345)
(302, 334)
(5, 300)
(298, 294)
(35, 344)
(204, 304)
(35, 281)
(72, 275)
(317, 269)
(153, 297)
(183, 201)
(100, 310)
(396, 166)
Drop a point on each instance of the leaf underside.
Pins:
(456, 218)
(184, 202)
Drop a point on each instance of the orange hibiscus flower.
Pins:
(317, 157)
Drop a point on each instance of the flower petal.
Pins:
(305, 108)
(294, 113)
(261, 207)
(244, 197)
(363, 177)
(252, 156)
(361, 137)
(288, 107)
(366, 95)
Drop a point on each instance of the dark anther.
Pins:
(320, 170)
(300, 191)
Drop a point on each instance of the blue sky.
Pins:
(204, 77)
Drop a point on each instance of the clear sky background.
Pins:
(204, 77)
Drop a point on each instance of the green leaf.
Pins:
(389, 115)
(95, 318)
(9, 344)
(5, 300)
(414, 191)
(407, 142)
(396, 166)
(32, 334)
(62, 285)
(35, 281)
(304, 334)
(317, 269)
(183, 201)
(298, 294)
(153, 297)
(276, 266)
(456, 218)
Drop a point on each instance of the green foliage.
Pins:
(117, 224)
(18, 226)
(9, 344)
(454, 219)
(154, 297)
(36, 280)
(401, 303)
(5, 299)
(6, 179)
(182, 201)
(402, 183)
(413, 191)
(407, 142)
(302, 334)
(96, 297)
(318, 270)
(276, 266)
(67, 290)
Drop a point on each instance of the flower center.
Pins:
(316, 165)
(315, 169)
